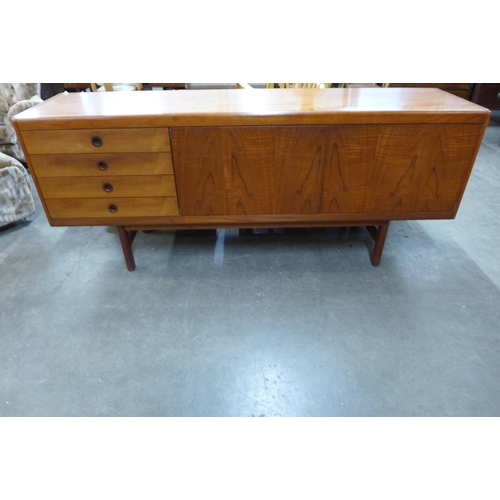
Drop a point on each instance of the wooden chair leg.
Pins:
(126, 239)
(378, 236)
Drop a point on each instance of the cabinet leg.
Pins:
(378, 236)
(126, 239)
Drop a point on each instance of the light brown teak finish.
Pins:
(80, 141)
(405, 170)
(232, 107)
(107, 187)
(115, 164)
(98, 208)
(260, 158)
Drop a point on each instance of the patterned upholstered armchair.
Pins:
(14, 98)
(16, 200)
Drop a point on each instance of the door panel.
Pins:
(366, 169)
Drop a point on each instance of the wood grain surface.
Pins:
(113, 141)
(98, 208)
(117, 186)
(75, 165)
(322, 169)
(233, 107)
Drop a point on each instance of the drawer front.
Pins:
(112, 207)
(130, 140)
(106, 187)
(96, 164)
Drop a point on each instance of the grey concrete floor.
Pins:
(262, 325)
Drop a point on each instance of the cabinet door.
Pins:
(249, 170)
(387, 171)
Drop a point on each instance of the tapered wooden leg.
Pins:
(378, 236)
(126, 239)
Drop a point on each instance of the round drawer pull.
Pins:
(107, 187)
(113, 208)
(96, 141)
(498, 96)
(102, 165)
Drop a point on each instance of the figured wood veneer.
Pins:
(322, 169)
(259, 158)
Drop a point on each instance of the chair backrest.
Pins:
(110, 87)
(244, 86)
(288, 85)
(361, 85)
(301, 85)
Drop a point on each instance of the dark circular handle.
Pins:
(96, 141)
(102, 165)
(498, 96)
(113, 208)
(107, 187)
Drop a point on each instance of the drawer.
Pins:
(113, 207)
(106, 187)
(129, 140)
(96, 164)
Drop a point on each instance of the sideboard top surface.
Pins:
(250, 107)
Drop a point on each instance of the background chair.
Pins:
(288, 85)
(14, 98)
(117, 87)
(361, 85)
(299, 85)
(305, 85)
(16, 200)
(244, 86)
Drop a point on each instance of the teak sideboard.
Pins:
(251, 158)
